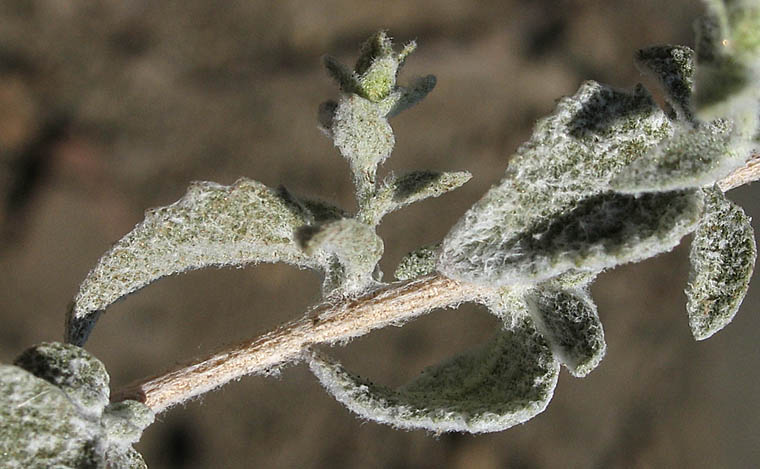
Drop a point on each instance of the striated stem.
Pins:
(328, 323)
(748, 173)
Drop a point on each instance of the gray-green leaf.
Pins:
(354, 245)
(212, 225)
(52, 414)
(506, 382)
(569, 321)
(722, 258)
(600, 232)
(417, 263)
(673, 67)
(399, 191)
(693, 157)
(563, 173)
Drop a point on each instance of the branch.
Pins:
(328, 323)
(748, 173)
(325, 324)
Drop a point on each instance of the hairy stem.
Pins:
(328, 323)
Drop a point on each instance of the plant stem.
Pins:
(328, 323)
(748, 173)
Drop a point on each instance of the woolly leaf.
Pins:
(417, 263)
(362, 134)
(722, 256)
(400, 191)
(506, 382)
(211, 225)
(693, 157)
(561, 173)
(673, 67)
(77, 373)
(569, 321)
(599, 233)
(355, 246)
(405, 97)
(49, 425)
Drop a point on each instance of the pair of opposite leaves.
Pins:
(608, 178)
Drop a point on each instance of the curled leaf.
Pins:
(212, 225)
(399, 191)
(506, 382)
(562, 173)
(417, 263)
(599, 233)
(722, 256)
(570, 323)
(73, 370)
(673, 67)
(693, 157)
(51, 415)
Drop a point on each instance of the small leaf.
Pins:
(507, 382)
(362, 134)
(80, 375)
(417, 263)
(673, 66)
(400, 191)
(560, 173)
(356, 247)
(212, 225)
(722, 256)
(346, 79)
(53, 420)
(405, 97)
(694, 157)
(570, 323)
(599, 233)
(41, 427)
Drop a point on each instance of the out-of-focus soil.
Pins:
(108, 108)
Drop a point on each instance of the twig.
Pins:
(329, 323)
(326, 323)
(744, 175)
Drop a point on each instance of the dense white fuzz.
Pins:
(722, 258)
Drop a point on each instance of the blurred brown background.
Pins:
(108, 108)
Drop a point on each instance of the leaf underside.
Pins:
(504, 383)
(569, 320)
(722, 256)
(212, 225)
(563, 173)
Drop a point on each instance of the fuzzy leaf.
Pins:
(355, 246)
(400, 191)
(569, 321)
(362, 133)
(673, 67)
(405, 97)
(506, 382)
(49, 425)
(77, 373)
(693, 157)
(722, 258)
(417, 263)
(561, 173)
(212, 225)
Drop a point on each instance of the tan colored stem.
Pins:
(329, 323)
(748, 173)
(326, 323)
